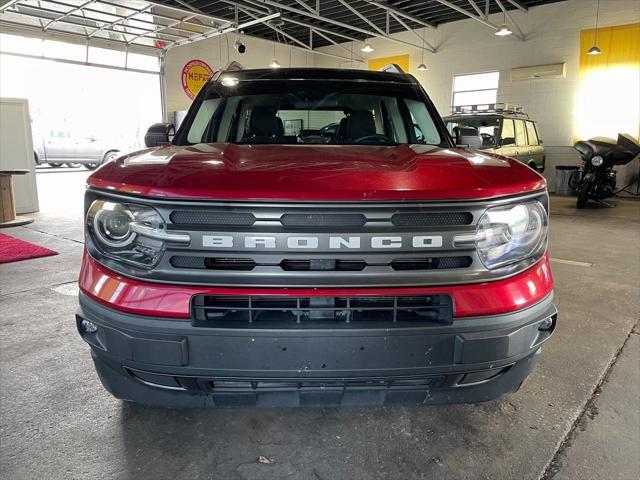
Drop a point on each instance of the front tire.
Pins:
(583, 195)
(54, 164)
(72, 164)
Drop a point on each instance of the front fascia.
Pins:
(173, 301)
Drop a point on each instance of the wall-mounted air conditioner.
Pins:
(554, 70)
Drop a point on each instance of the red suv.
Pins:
(261, 259)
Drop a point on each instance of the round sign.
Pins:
(194, 75)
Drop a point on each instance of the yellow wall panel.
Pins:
(400, 60)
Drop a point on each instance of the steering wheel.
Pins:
(488, 139)
(377, 137)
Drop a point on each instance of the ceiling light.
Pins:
(594, 51)
(367, 48)
(422, 67)
(229, 81)
(503, 31)
(274, 63)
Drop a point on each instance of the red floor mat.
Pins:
(14, 250)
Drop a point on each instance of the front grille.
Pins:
(293, 312)
(320, 245)
(351, 244)
(320, 264)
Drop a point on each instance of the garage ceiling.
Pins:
(304, 24)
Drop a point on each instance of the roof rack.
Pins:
(392, 68)
(489, 108)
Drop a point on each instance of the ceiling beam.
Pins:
(430, 47)
(222, 30)
(480, 19)
(475, 7)
(304, 13)
(401, 13)
(329, 39)
(128, 17)
(363, 18)
(518, 5)
(7, 4)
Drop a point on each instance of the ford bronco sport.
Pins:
(372, 263)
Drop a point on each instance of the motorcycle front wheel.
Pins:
(583, 194)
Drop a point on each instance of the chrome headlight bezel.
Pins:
(128, 233)
(509, 237)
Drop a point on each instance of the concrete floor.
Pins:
(575, 418)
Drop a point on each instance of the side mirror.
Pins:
(159, 134)
(467, 137)
(507, 141)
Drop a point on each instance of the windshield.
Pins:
(311, 112)
(488, 127)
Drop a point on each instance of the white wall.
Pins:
(214, 52)
(552, 36)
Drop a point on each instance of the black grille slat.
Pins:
(204, 217)
(323, 220)
(212, 263)
(320, 265)
(436, 263)
(431, 219)
(293, 312)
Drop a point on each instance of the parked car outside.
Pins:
(73, 152)
(505, 130)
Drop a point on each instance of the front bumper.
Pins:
(169, 362)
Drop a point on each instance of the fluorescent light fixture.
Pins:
(367, 48)
(422, 67)
(503, 31)
(274, 63)
(594, 51)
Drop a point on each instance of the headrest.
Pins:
(359, 124)
(263, 122)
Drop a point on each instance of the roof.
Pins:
(321, 74)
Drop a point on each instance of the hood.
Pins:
(316, 173)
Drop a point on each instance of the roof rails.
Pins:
(488, 108)
(392, 68)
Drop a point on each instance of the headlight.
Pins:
(510, 234)
(129, 232)
(597, 161)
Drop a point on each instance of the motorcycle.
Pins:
(597, 178)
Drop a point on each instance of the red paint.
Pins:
(141, 298)
(316, 173)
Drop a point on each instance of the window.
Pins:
(521, 133)
(75, 52)
(488, 127)
(508, 132)
(311, 112)
(475, 89)
(531, 132)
